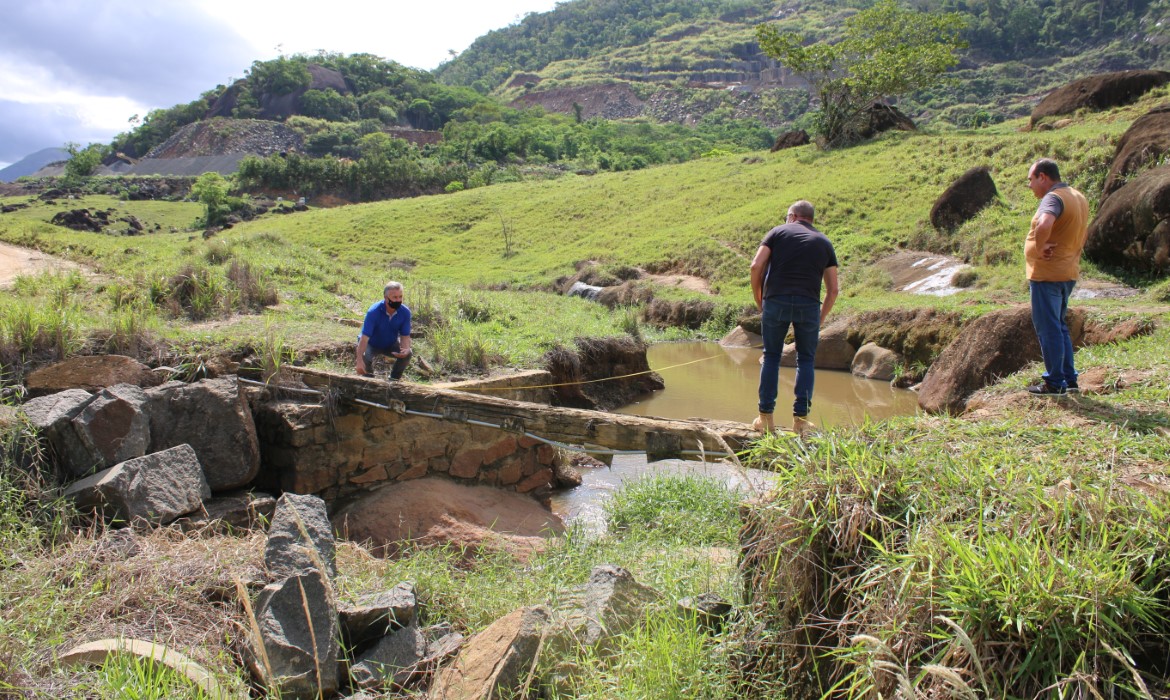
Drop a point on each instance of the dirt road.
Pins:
(15, 261)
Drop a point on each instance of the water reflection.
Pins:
(722, 382)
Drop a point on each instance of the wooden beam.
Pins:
(660, 438)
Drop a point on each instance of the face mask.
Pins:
(394, 304)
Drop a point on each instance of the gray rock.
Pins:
(378, 614)
(392, 662)
(154, 489)
(238, 511)
(609, 604)
(114, 426)
(834, 351)
(212, 416)
(297, 620)
(708, 610)
(300, 538)
(875, 362)
(53, 416)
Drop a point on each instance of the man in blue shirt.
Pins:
(386, 331)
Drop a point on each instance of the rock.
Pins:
(790, 139)
(113, 426)
(182, 413)
(741, 338)
(496, 662)
(53, 415)
(1098, 92)
(297, 622)
(1106, 332)
(300, 538)
(392, 662)
(82, 220)
(708, 610)
(884, 117)
(91, 373)
(434, 510)
(875, 362)
(99, 652)
(990, 347)
(1132, 228)
(154, 489)
(965, 198)
(585, 291)
(834, 351)
(591, 616)
(378, 614)
(1145, 142)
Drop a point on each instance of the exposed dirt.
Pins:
(695, 284)
(16, 261)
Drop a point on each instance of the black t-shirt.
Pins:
(800, 254)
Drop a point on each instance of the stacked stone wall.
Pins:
(338, 454)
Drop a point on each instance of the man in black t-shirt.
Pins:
(787, 272)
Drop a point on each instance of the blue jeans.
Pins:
(400, 363)
(1049, 307)
(804, 315)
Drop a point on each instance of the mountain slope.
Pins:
(32, 163)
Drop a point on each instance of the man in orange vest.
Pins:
(1052, 255)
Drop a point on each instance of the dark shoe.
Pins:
(1073, 388)
(1046, 389)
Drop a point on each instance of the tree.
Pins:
(83, 161)
(211, 189)
(887, 51)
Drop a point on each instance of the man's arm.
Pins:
(759, 267)
(361, 351)
(831, 290)
(1043, 231)
(403, 346)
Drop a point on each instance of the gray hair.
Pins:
(802, 209)
(391, 285)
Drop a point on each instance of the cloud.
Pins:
(71, 66)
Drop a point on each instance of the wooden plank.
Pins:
(659, 437)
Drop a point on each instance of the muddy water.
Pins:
(705, 380)
(722, 383)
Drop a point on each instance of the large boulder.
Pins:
(301, 538)
(212, 416)
(872, 361)
(991, 347)
(1132, 228)
(883, 117)
(965, 198)
(1145, 142)
(1098, 92)
(495, 662)
(790, 139)
(91, 373)
(154, 489)
(297, 622)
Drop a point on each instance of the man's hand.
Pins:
(400, 354)
(1047, 252)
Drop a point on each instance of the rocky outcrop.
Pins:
(991, 347)
(1098, 92)
(608, 101)
(1132, 228)
(882, 117)
(1144, 143)
(965, 198)
(596, 359)
(220, 137)
(791, 139)
(94, 221)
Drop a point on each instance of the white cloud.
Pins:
(77, 70)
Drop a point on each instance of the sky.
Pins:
(78, 70)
